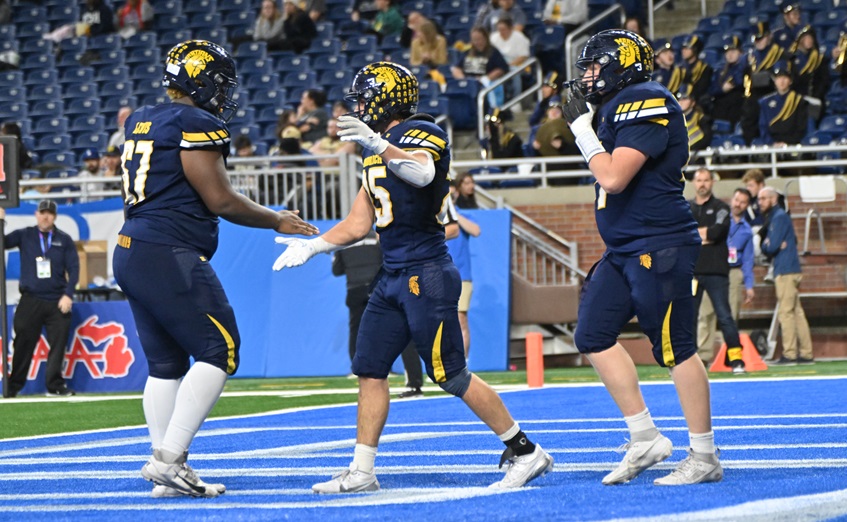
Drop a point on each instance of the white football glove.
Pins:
(300, 250)
(351, 128)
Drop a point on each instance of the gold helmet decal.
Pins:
(628, 51)
(386, 76)
(196, 61)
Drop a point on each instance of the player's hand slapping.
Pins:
(299, 251)
(291, 223)
(351, 128)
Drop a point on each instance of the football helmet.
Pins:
(382, 92)
(624, 58)
(205, 72)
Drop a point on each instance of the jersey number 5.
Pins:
(384, 214)
(134, 188)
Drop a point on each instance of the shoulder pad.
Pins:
(419, 134)
(201, 129)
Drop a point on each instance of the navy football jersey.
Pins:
(161, 205)
(408, 218)
(650, 213)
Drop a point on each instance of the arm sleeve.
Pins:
(72, 267)
(777, 233)
(719, 230)
(13, 239)
(747, 262)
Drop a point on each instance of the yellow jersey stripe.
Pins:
(437, 364)
(653, 102)
(205, 136)
(437, 141)
(667, 347)
(636, 105)
(661, 121)
(230, 345)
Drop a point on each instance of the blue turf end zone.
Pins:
(783, 443)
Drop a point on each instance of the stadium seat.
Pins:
(204, 20)
(835, 124)
(28, 14)
(53, 143)
(252, 50)
(145, 72)
(235, 19)
(549, 46)
(819, 138)
(325, 29)
(93, 123)
(452, 8)
(270, 98)
(143, 57)
(112, 89)
(51, 126)
(463, 104)
(82, 106)
(359, 60)
(200, 6)
(37, 62)
(262, 81)
(96, 141)
(12, 79)
(169, 7)
(170, 38)
(171, 23)
(108, 58)
(329, 62)
(61, 173)
(287, 65)
(35, 47)
(268, 114)
(236, 6)
(148, 87)
(15, 94)
(305, 80)
(324, 46)
(65, 14)
(340, 77)
(212, 34)
(32, 31)
(13, 111)
(142, 40)
(253, 131)
(80, 90)
(65, 158)
(435, 106)
(422, 6)
(104, 42)
(73, 45)
(153, 99)
(77, 75)
(45, 92)
(7, 32)
(429, 89)
(50, 108)
(112, 105)
(361, 44)
(243, 116)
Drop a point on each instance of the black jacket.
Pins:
(714, 214)
(360, 262)
(62, 255)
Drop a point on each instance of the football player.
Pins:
(637, 154)
(405, 190)
(176, 186)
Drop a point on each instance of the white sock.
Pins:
(200, 389)
(158, 404)
(363, 458)
(510, 433)
(702, 442)
(641, 427)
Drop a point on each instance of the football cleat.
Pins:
(696, 468)
(179, 476)
(639, 456)
(351, 480)
(522, 469)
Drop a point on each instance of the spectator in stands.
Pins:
(697, 72)
(388, 20)
(10, 128)
(286, 118)
(339, 108)
(134, 16)
(331, 144)
(363, 10)
(413, 23)
(727, 87)
(781, 243)
(786, 35)
(269, 23)
(783, 115)
(506, 9)
(637, 26)
(554, 138)
(551, 92)
(664, 71)
(513, 45)
(289, 143)
(428, 47)
(568, 13)
(839, 55)
(500, 141)
(5, 12)
(465, 193)
(312, 116)
(315, 8)
(811, 69)
(117, 137)
(90, 162)
(485, 8)
(739, 242)
(298, 30)
(754, 181)
(698, 123)
(97, 18)
(110, 167)
(484, 63)
(757, 78)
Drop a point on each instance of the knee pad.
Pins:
(458, 384)
(171, 370)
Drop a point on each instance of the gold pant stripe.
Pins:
(667, 347)
(124, 241)
(437, 364)
(230, 345)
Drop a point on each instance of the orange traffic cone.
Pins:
(752, 360)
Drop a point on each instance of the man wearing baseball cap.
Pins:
(791, 18)
(697, 72)
(49, 274)
(784, 114)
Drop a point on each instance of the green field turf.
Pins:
(50, 415)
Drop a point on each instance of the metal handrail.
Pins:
(480, 97)
(585, 28)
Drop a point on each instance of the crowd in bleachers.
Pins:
(68, 69)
